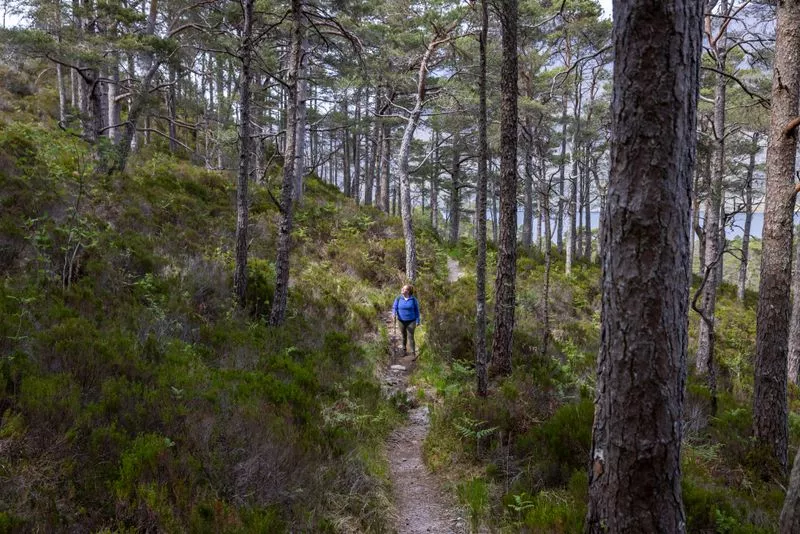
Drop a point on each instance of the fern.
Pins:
(470, 429)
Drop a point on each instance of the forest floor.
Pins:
(422, 505)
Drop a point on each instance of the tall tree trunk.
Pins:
(562, 177)
(114, 115)
(572, 196)
(790, 515)
(386, 155)
(793, 365)
(245, 144)
(527, 212)
(347, 184)
(494, 207)
(455, 193)
(172, 103)
(770, 424)
(302, 121)
(405, 150)
(355, 143)
(480, 213)
(278, 312)
(714, 246)
(748, 221)
(505, 282)
(587, 214)
(372, 168)
(435, 183)
(635, 475)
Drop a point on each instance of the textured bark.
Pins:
(302, 120)
(480, 213)
(505, 281)
(279, 302)
(790, 516)
(403, 155)
(634, 480)
(793, 365)
(114, 116)
(770, 425)
(748, 220)
(714, 246)
(245, 149)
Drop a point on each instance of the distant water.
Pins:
(734, 229)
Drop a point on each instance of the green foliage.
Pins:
(474, 495)
(195, 414)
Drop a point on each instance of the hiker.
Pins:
(406, 310)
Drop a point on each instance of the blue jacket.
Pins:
(406, 309)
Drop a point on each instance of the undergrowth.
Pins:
(136, 396)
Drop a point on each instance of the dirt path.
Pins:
(421, 504)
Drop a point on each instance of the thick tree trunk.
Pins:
(279, 302)
(714, 245)
(770, 424)
(245, 144)
(635, 475)
(480, 214)
(505, 282)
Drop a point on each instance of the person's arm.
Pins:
(416, 308)
(394, 308)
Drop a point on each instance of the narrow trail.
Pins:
(422, 505)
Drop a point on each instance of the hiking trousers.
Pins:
(407, 327)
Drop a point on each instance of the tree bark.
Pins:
(634, 480)
(790, 515)
(770, 412)
(714, 246)
(480, 213)
(245, 144)
(383, 203)
(505, 282)
(279, 302)
(562, 177)
(405, 150)
(302, 120)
